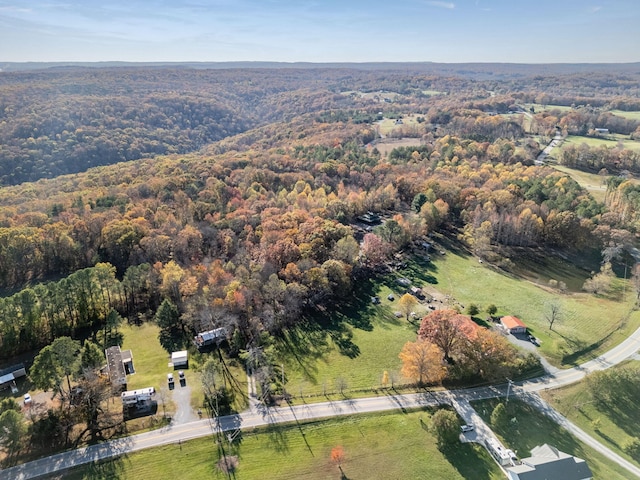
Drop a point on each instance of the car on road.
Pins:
(466, 428)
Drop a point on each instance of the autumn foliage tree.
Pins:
(447, 329)
(406, 304)
(337, 455)
(422, 362)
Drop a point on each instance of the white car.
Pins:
(466, 428)
(27, 399)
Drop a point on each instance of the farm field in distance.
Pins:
(596, 142)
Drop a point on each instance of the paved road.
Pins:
(577, 432)
(264, 416)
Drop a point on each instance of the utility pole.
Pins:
(508, 389)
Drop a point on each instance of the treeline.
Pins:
(36, 316)
(594, 159)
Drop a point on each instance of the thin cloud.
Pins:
(447, 5)
(594, 9)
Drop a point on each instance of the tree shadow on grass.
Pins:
(469, 461)
(303, 345)
(278, 438)
(107, 470)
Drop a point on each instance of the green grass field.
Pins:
(630, 115)
(547, 108)
(316, 361)
(591, 324)
(614, 427)
(355, 346)
(532, 428)
(386, 445)
(149, 358)
(611, 141)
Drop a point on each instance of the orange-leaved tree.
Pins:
(447, 329)
(337, 455)
(422, 362)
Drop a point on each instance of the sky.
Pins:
(513, 31)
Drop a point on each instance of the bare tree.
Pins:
(553, 313)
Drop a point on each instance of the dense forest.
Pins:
(59, 121)
(232, 197)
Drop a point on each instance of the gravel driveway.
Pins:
(181, 396)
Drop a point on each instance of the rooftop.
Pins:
(510, 321)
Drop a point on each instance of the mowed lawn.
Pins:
(150, 360)
(318, 362)
(380, 446)
(612, 427)
(590, 325)
(151, 364)
(531, 428)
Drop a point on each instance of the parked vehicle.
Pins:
(170, 380)
(466, 428)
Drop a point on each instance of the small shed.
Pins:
(513, 324)
(180, 359)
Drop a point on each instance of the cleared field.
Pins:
(349, 357)
(433, 92)
(589, 181)
(388, 125)
(547, 108)
(590, 324)
(612, 427)
(531, 428)
(610, 142)
(387, 445)
(630, 115)
(385, 145)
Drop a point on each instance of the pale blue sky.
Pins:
(528, 31)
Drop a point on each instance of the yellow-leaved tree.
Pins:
(422, 362)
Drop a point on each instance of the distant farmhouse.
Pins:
(547, 462)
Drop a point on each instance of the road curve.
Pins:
(296, 413)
